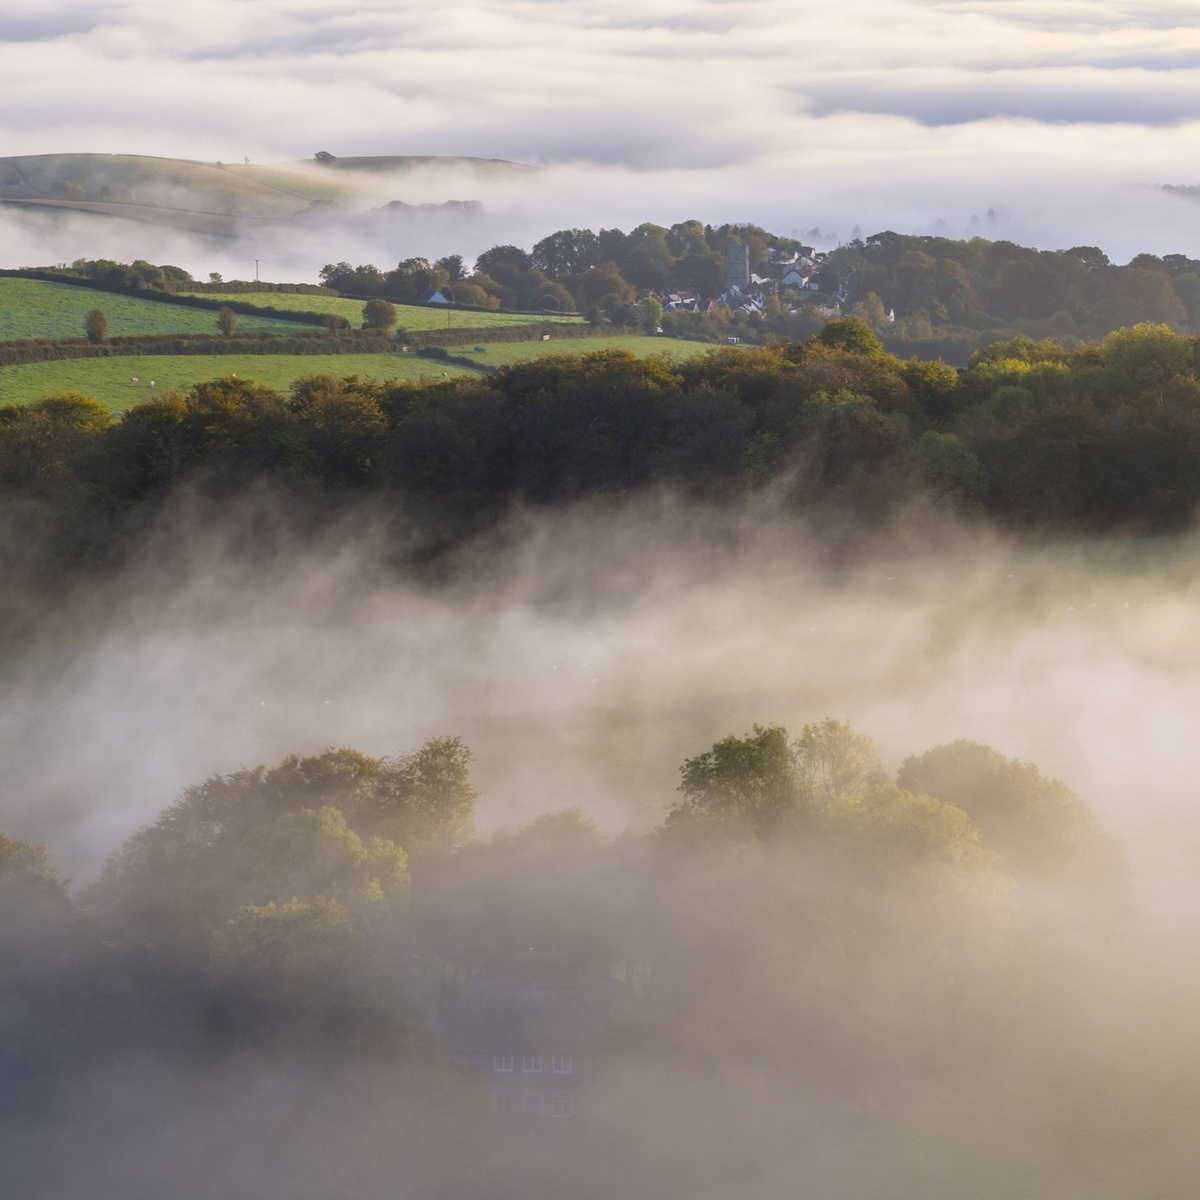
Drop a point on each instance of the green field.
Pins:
(30, 308)
(409, 316)
(112, 380)
(500, 354)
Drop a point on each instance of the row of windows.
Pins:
(560, 1064)
(533, 1105)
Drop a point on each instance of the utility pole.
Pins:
(256, 270)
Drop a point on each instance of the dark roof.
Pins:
(501, 1014)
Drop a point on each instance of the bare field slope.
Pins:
(219, 197)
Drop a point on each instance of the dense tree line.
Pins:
(1101, 438)
(914, 289)
(600, 274)
(937, 284)
(920, 293)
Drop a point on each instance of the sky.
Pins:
(1062, 116)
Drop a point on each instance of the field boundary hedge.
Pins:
(234, 287)
(16, 353)
(454, 306)
(32, 350)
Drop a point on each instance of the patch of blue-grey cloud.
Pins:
(1067, 94)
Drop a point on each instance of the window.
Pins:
(561, 1064)
(531, 1063)
(504, 1102)
(502, 1062)
(560, 1105)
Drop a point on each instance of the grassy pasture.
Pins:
(111, 380)
(501, 354)
(30, 308)
(408, 316)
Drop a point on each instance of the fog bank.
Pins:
(583, 655)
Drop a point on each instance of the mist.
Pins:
(582, 655)
(908, 115)
(838, 1010)
(1035, 191)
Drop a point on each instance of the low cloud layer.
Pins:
(879, 113)
(586, 676)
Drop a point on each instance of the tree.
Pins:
(748, 782)
(226, 320)
(1144, 358)
(701, 273)
(96, 326)
(342, 424)
(1043, 830)
(893, 831)
(28, 876)
(324, 157)
(850, 333)
(503, 259)
(43, 444)
(452, 264)
(762, 783)
(831, 760)
(602, 281)
(649, 314)
(363, 280)
(413, 278)
(648, 260)
(424, 801)
(871, 310)
(379, 314)
(934, 385)
(567, 253)
(950, 468)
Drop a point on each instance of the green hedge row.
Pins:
(234, 287)
(45, 350)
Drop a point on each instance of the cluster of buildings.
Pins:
(746, 291)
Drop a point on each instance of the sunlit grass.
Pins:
(121, 382)
(30, 308)
(408, 316)
(499, 354)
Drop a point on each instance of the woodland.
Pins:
(1041, 440)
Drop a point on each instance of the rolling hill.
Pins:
(223, 198)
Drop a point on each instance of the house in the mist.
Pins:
(535, 1042)
(796, 277)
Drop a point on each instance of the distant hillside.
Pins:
(225, 198)
(413, 162)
